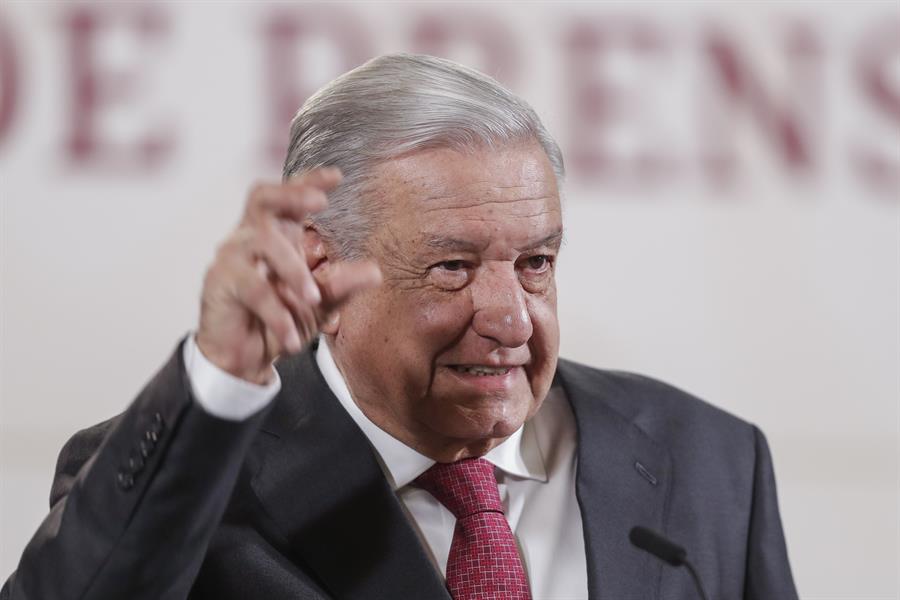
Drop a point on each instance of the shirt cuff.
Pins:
(220, 393)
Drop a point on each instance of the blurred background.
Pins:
(731, 210)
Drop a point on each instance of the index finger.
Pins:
(284, 201)
(324, 178)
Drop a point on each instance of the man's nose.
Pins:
(500, 309)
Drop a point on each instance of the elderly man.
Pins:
(418, 437)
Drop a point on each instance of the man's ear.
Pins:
(317, 259)
(314, 248)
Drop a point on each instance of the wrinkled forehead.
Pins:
(445, 178)
(520, 161)
(503, 194)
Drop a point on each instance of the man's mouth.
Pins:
(481, 370)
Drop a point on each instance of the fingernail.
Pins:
(294, 344)
(312, 293)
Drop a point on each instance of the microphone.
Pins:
(665, 550)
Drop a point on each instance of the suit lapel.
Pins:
(320, 482)
(623, 480)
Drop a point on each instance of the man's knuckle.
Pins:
(256, 197)
(256, 292)
(257, 189)
(263, 234)
(227, 247)
(281, 324)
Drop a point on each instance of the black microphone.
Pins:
(665, 550)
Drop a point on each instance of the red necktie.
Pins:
(484, 561)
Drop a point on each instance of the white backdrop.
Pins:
(732, 214)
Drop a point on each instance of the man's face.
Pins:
(459, 345)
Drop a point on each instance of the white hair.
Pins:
(388, 107)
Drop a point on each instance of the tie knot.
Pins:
(464, 487)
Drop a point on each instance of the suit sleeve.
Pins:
(135, 501)
(768, 572)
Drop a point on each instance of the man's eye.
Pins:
(452, 265)
(539, 262)
(450, 274)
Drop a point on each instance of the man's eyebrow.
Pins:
(554, 240)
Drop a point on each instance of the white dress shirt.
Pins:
(535, 470)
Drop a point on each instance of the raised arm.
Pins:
(136, 500)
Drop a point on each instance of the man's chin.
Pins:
(474, 423)
(490, 426)
(469, 434)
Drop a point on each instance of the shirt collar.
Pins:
(519, 455)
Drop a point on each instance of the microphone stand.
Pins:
(696, 579)
(667, 551)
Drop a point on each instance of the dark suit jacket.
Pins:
(166, 501)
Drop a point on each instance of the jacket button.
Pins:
(151, 436)
(157, 425)
(135, 463)
(125, 480)
(146, 448)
